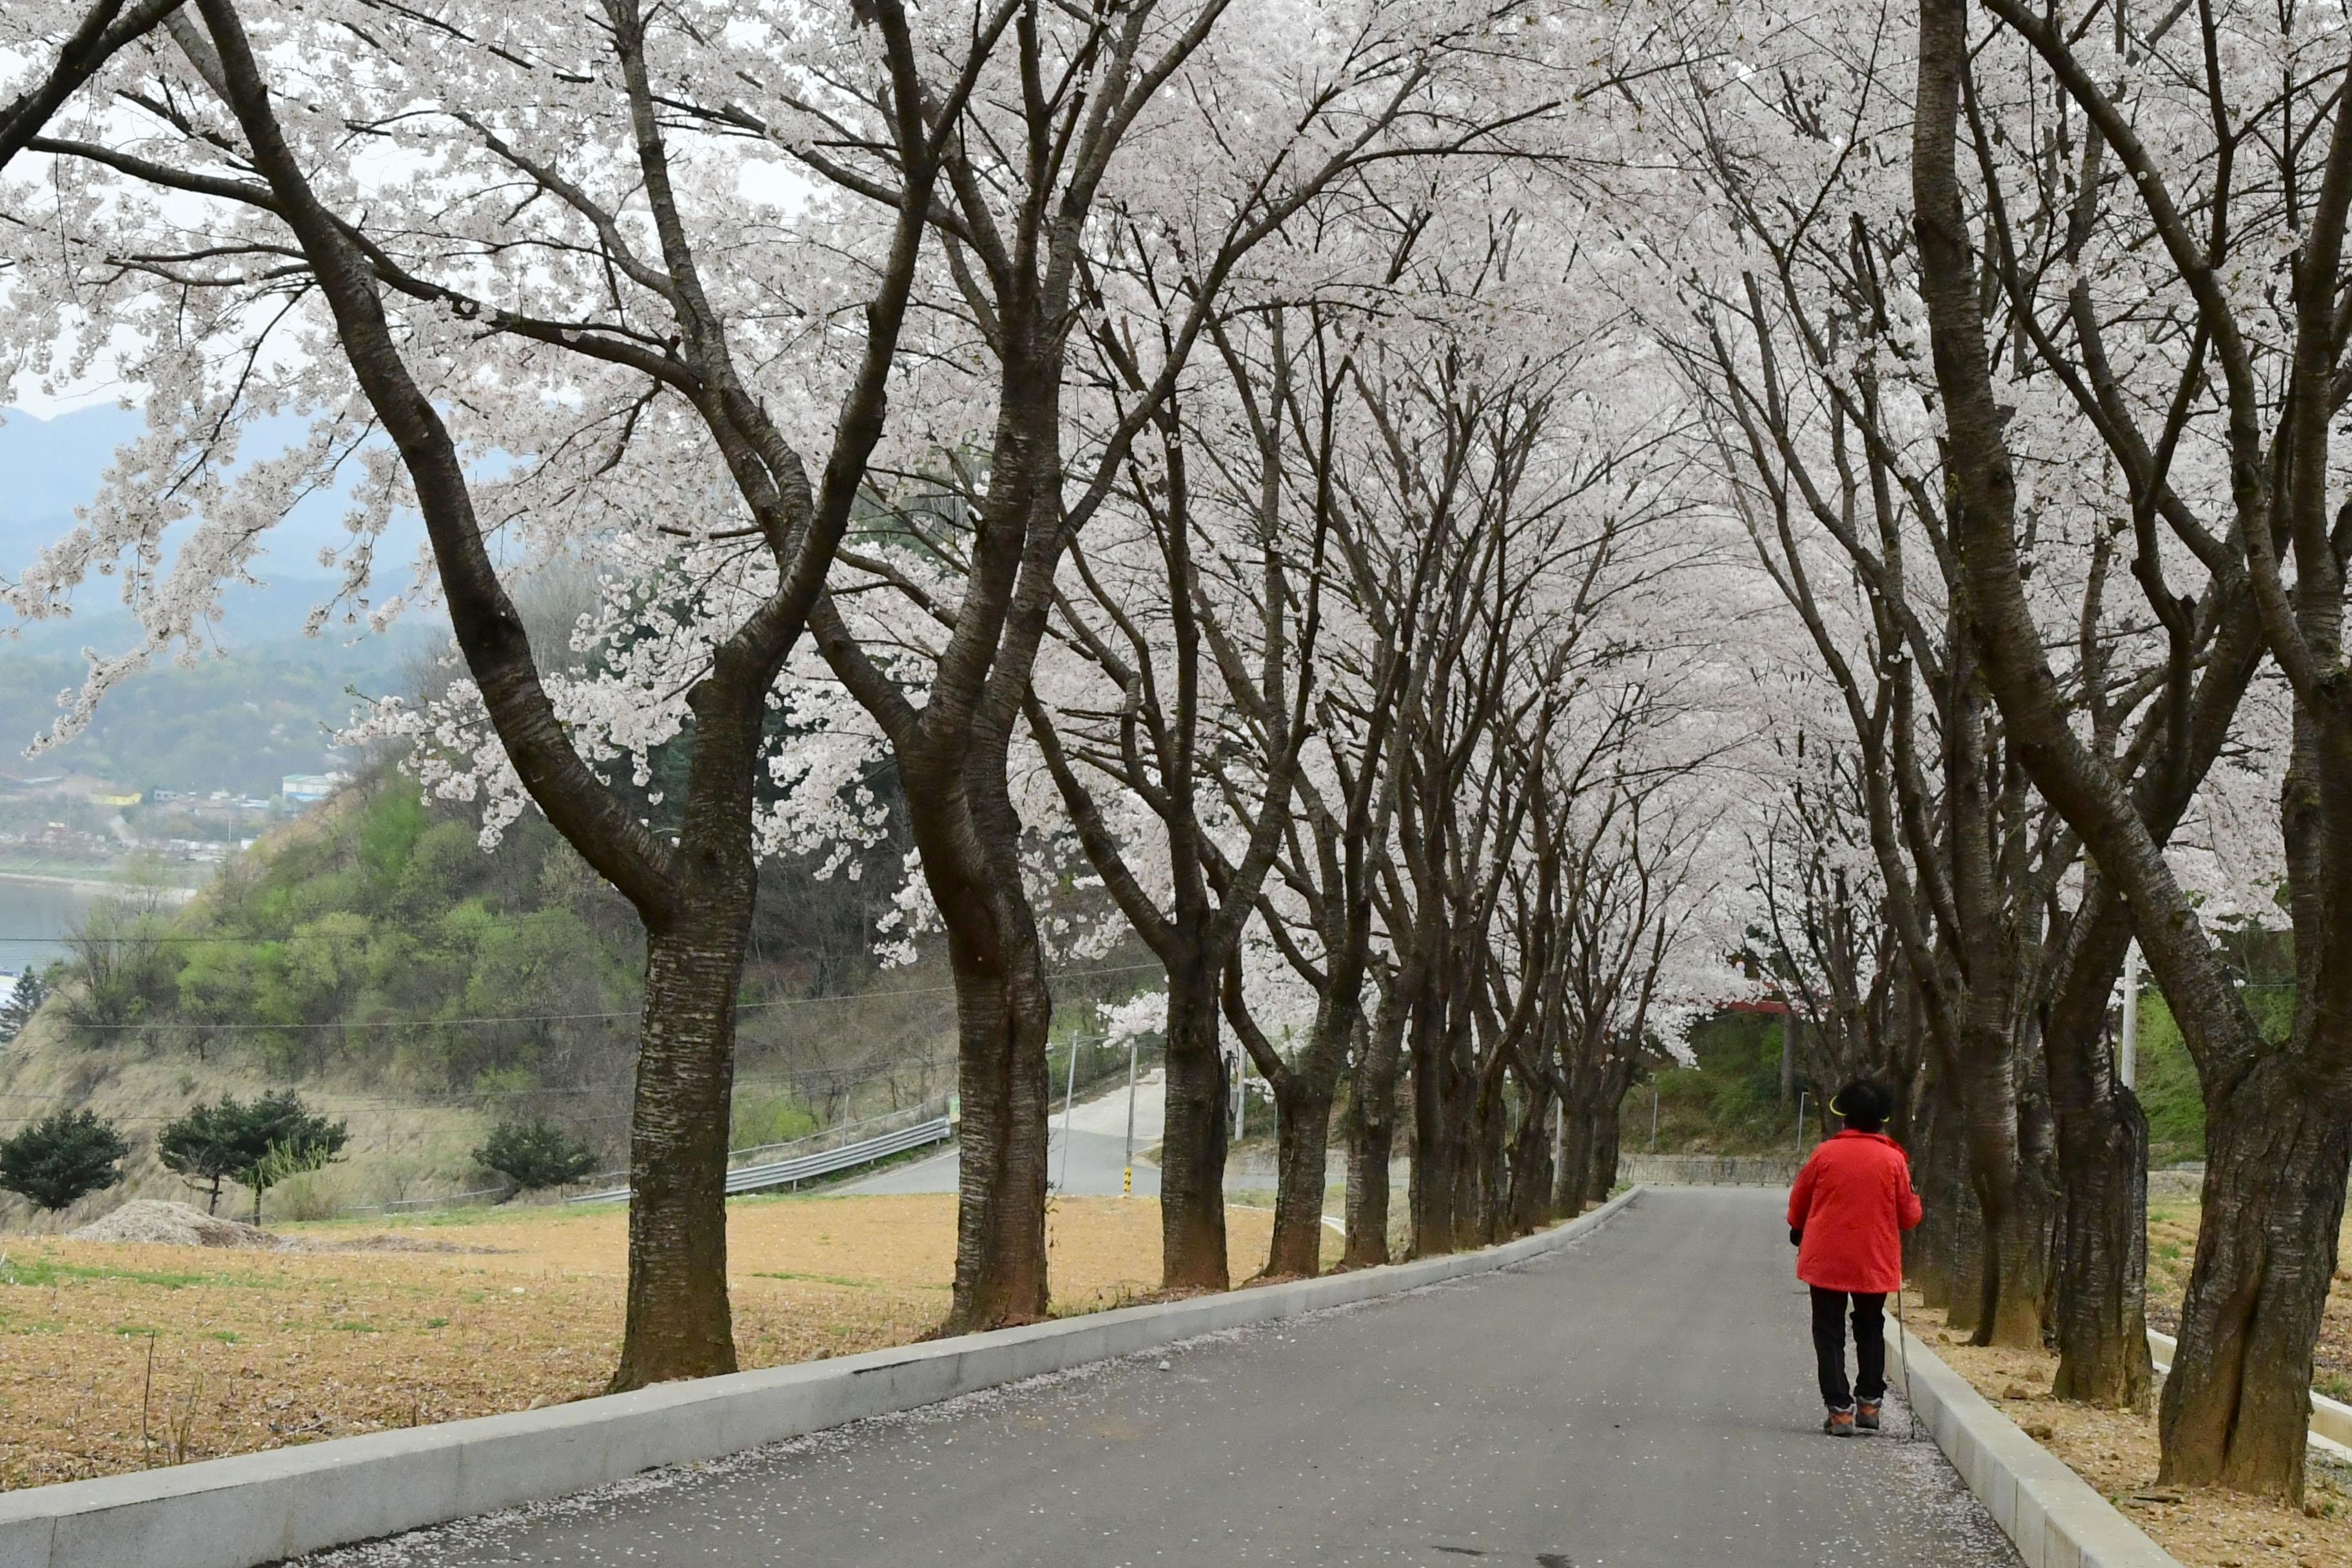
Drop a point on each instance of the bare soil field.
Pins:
(115, 1356)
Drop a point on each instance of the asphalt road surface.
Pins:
(1092, 1164)
(1641, 1399)
(1091, 1159)
(1096, 1162)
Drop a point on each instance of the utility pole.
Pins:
(1127, 1176)
(2131, 1018)
(1801, 1121)
(1654, 1116)
(1069, 1088)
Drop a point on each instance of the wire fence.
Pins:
(444, 1201)
(813, 1074)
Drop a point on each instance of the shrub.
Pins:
(309, 1195)
(61, 1158)
(535, 1154)
(122, 972)
(256, 1145)
(761, 1119)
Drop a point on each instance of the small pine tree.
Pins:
(31, 989)
(62, 1157)
(255, 1145)
(535, 1154)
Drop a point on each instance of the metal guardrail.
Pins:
(808, 1167)
(834, 1136)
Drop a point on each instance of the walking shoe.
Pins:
(1840, 1423)
(1865, 1415)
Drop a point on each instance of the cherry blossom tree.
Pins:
(1812, 345)
(1056, 223)
(2237, 472)
(500, 263)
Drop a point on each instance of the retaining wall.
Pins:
(1710, 1170)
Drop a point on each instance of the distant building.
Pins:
(101, 797)
(308, 789)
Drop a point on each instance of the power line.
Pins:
(181, 940)
(495, 1020)
(383, 1107)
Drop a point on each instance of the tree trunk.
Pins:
(2013, 1204)
(2238, 1401)
(679, 1323)
(1929, 1251)
(1608, 1121)
(968, 837)
(2102, 1306)
(2012, 1287)
(2100, 1312)
(1437, 1129)
(1485, 1173)
(1532, 1172)
(1192, 1148)
(1966, 1307)
(1002, 1010)
(1371, 1137)
(1574, 1178)
(1303, 1116)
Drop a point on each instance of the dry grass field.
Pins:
(115, 1356)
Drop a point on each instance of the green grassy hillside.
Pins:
(374, 958)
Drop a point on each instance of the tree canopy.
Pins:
(255, 1145)
(1476, 538)
(62, 1157)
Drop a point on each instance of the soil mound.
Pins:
(160, 1224)
(391, 1243)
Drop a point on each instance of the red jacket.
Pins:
(1853, 1200)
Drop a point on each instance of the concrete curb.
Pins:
(2056, 1518)
(255, 1509)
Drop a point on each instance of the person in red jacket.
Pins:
(1847, 1215)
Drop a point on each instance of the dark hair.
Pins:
(1863, 1105)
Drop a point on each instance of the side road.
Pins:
(1640, 1399)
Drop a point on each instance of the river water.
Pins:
(34, 918)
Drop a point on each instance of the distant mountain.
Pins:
(238, 722)
(49, 467)
(241, 723)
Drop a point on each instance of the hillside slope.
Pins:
(374, 958)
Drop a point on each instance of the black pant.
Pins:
(1869, 1345)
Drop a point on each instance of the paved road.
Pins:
(1093, 1171)
(1097, 1158)
(1643, 1399)
(1097, 1155)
